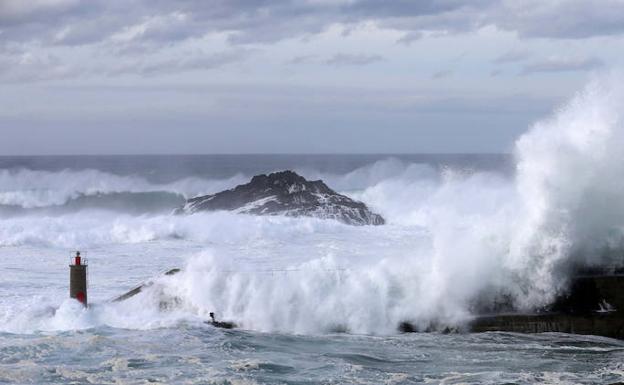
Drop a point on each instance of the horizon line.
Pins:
(262, 154)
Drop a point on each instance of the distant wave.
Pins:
(25, 191)
(134, 203)
(29, 189)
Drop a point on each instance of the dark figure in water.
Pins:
(218, 324)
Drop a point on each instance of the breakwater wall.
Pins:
(594, 305)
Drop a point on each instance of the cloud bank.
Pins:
(126, 28)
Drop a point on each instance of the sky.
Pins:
(293, 76)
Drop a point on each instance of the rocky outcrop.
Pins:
(286, 193)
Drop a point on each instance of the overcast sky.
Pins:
(298, 76)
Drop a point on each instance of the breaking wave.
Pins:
(484, 233)
(28, 189)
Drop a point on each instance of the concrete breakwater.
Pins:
(606, 325)
(593, 305)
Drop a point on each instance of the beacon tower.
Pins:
(78, 278)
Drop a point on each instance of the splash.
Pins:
(517, 236)
(569, 182)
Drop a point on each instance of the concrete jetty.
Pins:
(594, 305)
(132, 292)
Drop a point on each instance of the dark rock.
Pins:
(286, 193)
(407, 327)
(222, 324)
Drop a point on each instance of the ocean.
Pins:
(316, 301)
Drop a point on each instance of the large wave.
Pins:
(571, 205)
(515, 237)
(28, 189)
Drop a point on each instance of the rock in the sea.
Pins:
(286, 193)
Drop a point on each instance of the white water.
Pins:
(451, 237)
(39, 188)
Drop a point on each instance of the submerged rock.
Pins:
(286, 193)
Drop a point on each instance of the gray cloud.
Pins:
(571, 19)
(130, 31)
(442, 74)
(27, 66)
(563, 64)
(190, 62)
(411, 37)
(82, 22)
(343, 59)
(512, 56)
(16, 11)
(303, 59)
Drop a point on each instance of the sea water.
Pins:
(315, 301)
